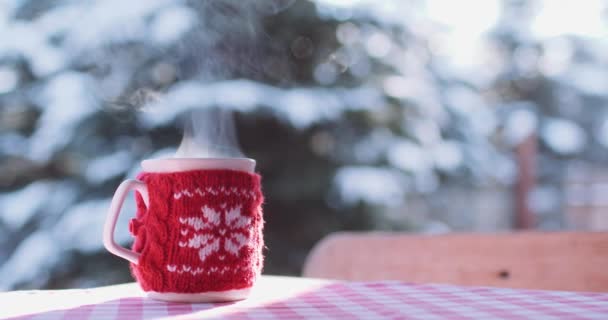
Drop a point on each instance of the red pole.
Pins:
(526, 180)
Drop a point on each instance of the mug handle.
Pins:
(114, 211)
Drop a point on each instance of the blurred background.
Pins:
(410, 115)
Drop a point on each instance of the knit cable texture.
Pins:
(201, 232)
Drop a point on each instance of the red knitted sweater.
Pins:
(201, 232)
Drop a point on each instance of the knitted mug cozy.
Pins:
(201, 231)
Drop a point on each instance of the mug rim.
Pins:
(169, 165)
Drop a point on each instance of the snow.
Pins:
(454, 16)
(47, 60)
(299, 106)
(447, 155)
(393, 12)
(18, 207)
(23, 205)
(8, 7)
(348, 33)
(8, 79)
(360, 66)
(81, 228)
(13, 144)
(58, 20)
(587, 78)
(376, 186)
(469, 105)
(273, 6)
(483, 121)
(557, 56)
(378, 44)
(420, 161)
(62, 195)
(570, 17)
(325, 73)
(397, 86)
(340, 3)
(159, 154)
(101, 23)
(190, 94)
(409, 156)
(520, 125)
(489, 164)
(107, 167)
(564, 136)
(426, 181)
(463, 100)
(98, 24)
(373, 147)
(32, 261)
(171, 23)
(66, 99)
(426, 131)
(303, 108)
(29, 42)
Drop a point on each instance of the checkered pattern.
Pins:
(290, 298)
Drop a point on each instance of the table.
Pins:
(298, 298)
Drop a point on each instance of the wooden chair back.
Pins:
(576, 261)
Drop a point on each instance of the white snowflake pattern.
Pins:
(223, 231)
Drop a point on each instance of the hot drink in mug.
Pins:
(198, 228)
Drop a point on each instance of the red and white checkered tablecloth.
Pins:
(295, 298)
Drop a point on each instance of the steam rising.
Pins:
(227, 45)
(228, 42)
(215, 40)
(209, 133)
